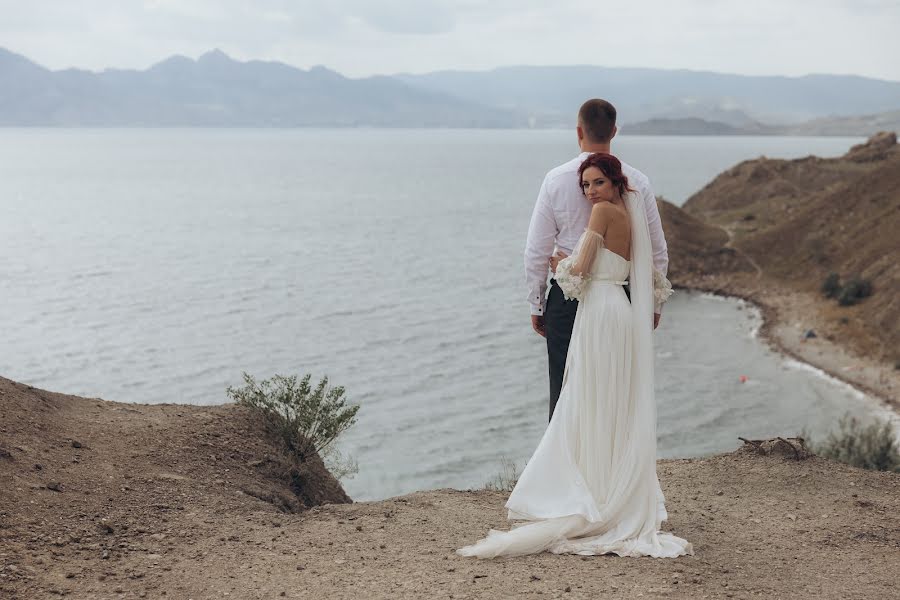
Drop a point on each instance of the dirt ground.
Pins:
(107, 500)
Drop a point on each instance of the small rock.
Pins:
(719, 493)
(54, 485)
(359, 527)
(105, 554)
(809, 334)
(568, 588)
(535, 578)
(76, 444)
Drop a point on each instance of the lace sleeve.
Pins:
(662, 288)
(573, 272)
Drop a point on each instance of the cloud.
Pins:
(404, 16)
(362, 37)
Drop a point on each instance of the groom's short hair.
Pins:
(597, 119)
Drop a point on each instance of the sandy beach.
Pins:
(787, 317)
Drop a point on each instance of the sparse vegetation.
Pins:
(848, 294)
(869, 446)
(854, 290)
(506, 479)
(307, 420)
(831, 287)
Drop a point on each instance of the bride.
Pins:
(591, 486)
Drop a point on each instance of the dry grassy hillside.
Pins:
(799, 220)
(696, 247)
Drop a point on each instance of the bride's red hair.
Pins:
(611, 167)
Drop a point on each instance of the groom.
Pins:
(560, 216)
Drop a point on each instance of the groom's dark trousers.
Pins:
(559, 318)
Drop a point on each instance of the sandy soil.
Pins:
(107, 500)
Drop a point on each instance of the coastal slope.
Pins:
(786, 225)
(108, 500)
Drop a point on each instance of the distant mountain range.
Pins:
(865, 125)
(218, 91)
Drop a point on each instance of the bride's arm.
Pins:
(592, 239)
(572, 272)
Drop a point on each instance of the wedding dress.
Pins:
(591, 486)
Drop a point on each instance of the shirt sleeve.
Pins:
(542, 232)
(657, 237)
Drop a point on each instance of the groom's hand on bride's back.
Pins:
(537, 323)
(656, 317)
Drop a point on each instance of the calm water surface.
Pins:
(157, 265)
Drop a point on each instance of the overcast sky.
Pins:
(365, 37)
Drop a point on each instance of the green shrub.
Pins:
(831, 287)
(873, 446)
(307, 420)
(854, 290)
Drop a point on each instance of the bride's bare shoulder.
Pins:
(607, 212)
(602, 214)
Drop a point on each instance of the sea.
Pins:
(159, 265)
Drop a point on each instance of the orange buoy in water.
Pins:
(743, 379)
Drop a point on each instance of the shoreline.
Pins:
(869, 379)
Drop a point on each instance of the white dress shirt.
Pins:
(561, 215)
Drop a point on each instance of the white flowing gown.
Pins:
(591, 486)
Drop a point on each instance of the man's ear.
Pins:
(580, 132)
(614, 131)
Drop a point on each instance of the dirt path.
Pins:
(730, 244)
(137, 501)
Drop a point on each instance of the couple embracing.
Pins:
(591, 485)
